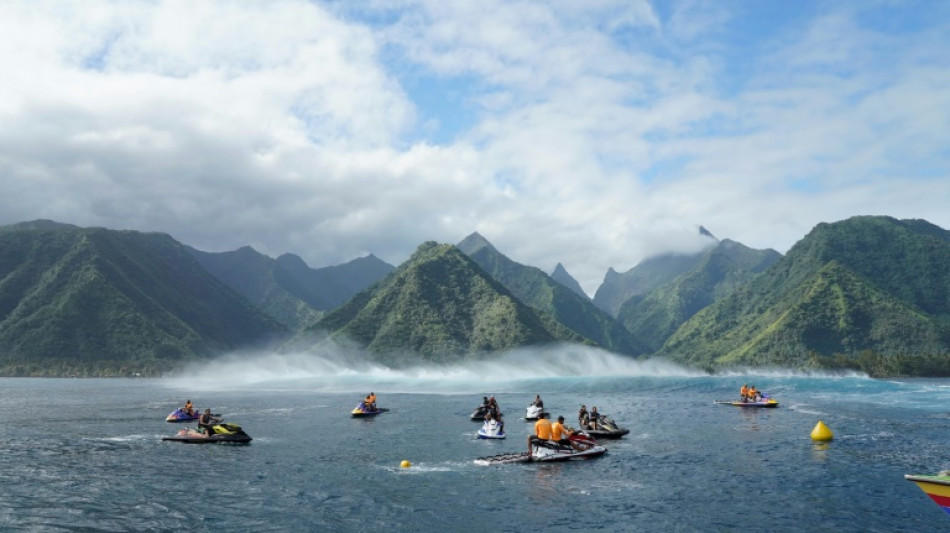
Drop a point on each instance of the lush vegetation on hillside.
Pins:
(867, 285)
(439, 306)
(535, 288)
(721, 270)
(96, 301)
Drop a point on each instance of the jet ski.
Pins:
(764, 401)
(224, 433)
(548, 451)
(362, 410)
(180, 415)
(492, 429)
(607, 429)
(534, 411)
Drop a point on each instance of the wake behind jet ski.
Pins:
(223, 433)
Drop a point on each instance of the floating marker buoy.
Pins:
(405, 463)
(821, 432)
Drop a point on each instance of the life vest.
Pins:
(542, 428)
(558, 431)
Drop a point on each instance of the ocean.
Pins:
(87, 454)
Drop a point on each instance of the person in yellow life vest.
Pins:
(542, 431)
(371, 401)
(560, 434)
(744, 392)
(189, 408)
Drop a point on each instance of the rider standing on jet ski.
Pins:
(542, 431)
(207, 422)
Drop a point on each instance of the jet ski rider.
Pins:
(582, 417)
(594, 417)
(189, 408)
(537, 401)
(744, 393)
(754, 395)
(370, 402)
(207, 422)
(542, 432)
(559, 434)
(493, 408)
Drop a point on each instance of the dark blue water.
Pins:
(87, 454)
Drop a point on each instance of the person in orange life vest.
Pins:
(189, 408)
(542, 431)
(744, 392)
(371, 402)
(560, 434)
(754, 395)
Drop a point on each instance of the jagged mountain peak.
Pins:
(473, 243)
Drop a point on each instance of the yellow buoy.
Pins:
(821, 432)
(405, 463)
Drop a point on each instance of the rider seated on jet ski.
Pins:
(370, 402)
(189, 408)
(559, 434)
(537, 402)
(754, 395)
(582, 417)
(207, 422)
(493, 408)
(542, 432)
(594, 418)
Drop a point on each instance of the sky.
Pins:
(594, 134)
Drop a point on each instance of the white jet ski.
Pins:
(492, 429)
(534, 411)
(549, 452)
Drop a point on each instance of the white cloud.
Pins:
(596, 133)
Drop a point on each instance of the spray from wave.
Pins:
(339, 369)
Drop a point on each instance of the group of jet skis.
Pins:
(211, 429)
(550, 442)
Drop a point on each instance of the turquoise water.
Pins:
(88, 455)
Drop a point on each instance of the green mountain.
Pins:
(92, 301)
(653, 316)
(562, 276)
(439, 306)
(866, 292)
(286, 288)
(535, 288)
(649, 274)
